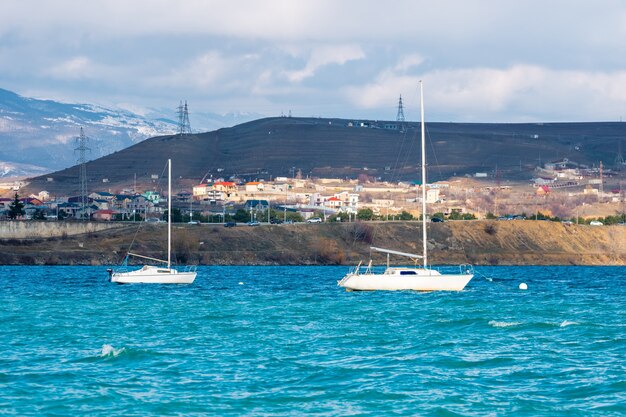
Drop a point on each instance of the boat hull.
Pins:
(151, 275)
(392, 282)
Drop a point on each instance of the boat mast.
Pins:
(169, 213)
(423, 174)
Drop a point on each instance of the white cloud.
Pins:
(517, 93)
(409, 62)
(481, 60)
(326, 55)
(74, 68)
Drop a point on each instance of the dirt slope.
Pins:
(476, 242)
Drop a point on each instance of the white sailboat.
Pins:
(150, 274)
(409, 278)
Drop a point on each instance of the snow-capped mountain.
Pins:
(40, 135)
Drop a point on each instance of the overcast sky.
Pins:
(481, 60)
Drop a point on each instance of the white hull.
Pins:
(398, 279)
(153, 275)
(415, 279)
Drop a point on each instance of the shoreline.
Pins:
(478, 242)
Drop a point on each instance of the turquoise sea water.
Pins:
(287, 341)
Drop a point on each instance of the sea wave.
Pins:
(108, 351)
(566, 323)
(494, 323)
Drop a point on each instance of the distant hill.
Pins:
(342, 148)
(39, 135)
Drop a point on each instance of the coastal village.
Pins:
(559, 189)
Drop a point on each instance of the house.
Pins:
(333, 202)
(183, 196)
(213, 196)
(42, 195)
(79, 199)
(5, 203)
(102, 195)
(227, 187)
(102, 204)
(432, 195)
(200, 191)
(542, 190)
(31, 201)
(152, 196)
(542, 181)
(254, 186)
(104, 215)
(256, 205)
(69, 209)
(560, 164)
(137, 203)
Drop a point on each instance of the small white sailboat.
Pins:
(150, 274)
(407, 278)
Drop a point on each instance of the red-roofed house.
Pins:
(106, 215)
(254, 186)
(333, 202)
(543, 190)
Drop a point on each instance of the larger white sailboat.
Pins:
(150, 274)
(407, 278)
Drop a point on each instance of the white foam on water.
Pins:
(567, 323)
(108, 350)
(494, 323)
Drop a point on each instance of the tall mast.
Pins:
(423, 174)
(169, 213)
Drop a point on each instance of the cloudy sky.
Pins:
(481, 60)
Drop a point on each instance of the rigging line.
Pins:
(401, 164)
(432, 147)
(140, 223)
(404, 154)
(412, 144)
(397, 162)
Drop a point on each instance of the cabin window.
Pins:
(408, 273)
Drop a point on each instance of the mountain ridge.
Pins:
(39, 135)
(317, 147)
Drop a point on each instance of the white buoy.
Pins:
(523, 286)
(240, 283)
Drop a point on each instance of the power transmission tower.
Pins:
(400, 116)
(82, 160)
(184, 127)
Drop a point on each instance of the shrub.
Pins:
(361, 232)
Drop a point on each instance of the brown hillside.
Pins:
(476, 242)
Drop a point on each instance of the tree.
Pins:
(16, 208)
(39, 215)
(405, 215)
(365, 214)
(177, 216)
(241, 216)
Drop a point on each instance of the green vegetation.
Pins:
(16, 208)
(39, 215)
(365, 214)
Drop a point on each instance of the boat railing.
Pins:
(466, 269)
(190, 268)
